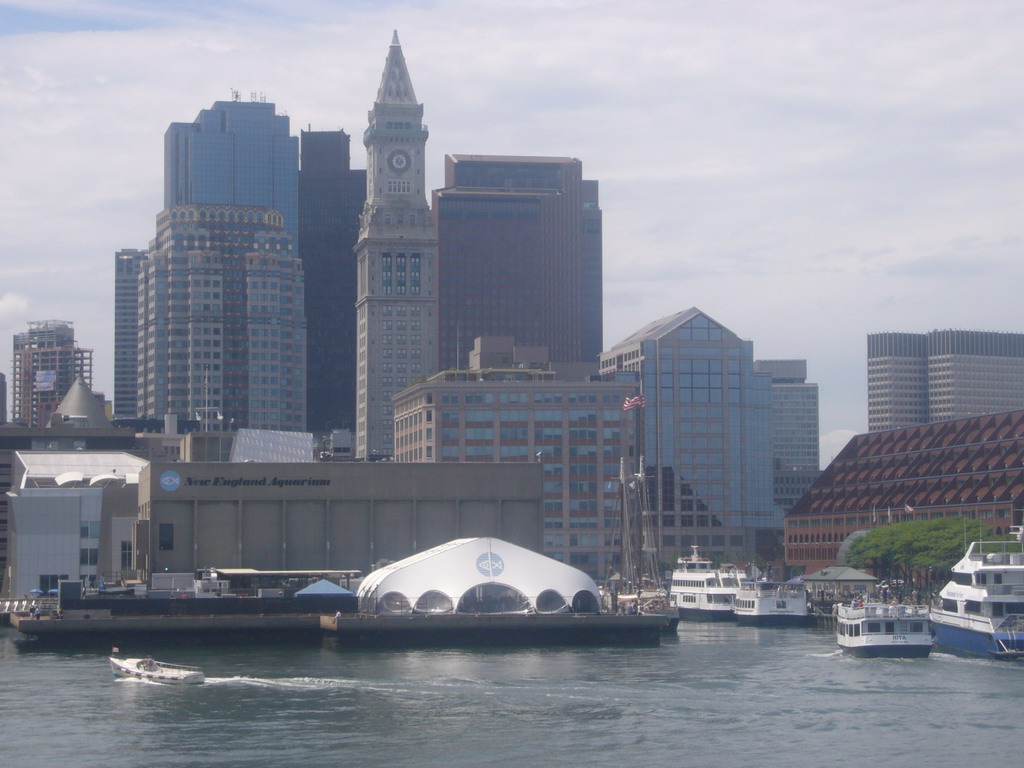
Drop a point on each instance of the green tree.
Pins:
(925, 549)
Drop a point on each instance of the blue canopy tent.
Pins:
(323, 587)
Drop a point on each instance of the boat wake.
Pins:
(138, 681)
(300, 683)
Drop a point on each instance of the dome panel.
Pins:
(434, 602)
(463, 567)
(394, 602)
(493, 598)
(549, 601)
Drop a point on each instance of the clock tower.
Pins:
(396, 257)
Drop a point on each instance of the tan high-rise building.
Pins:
(921, 378)
(396, 260)
(511, 405)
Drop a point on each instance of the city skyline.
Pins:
(806, 174)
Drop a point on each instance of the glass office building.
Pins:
(235, 153)
(331, 197)
(706, 434)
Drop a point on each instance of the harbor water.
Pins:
(714, 695)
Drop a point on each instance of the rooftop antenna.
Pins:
(235, 95)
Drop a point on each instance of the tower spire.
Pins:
(395, 85)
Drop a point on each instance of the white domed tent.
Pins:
(478, 576)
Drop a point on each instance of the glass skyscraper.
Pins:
(706, 434)
(795, 431)
(235, 153)
(218, 311)
(331, 197)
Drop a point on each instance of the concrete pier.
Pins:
(494, 630)
(100, 622)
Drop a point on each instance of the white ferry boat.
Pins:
(876, 630)
(701, 592)
(981, 610)
(772, 604)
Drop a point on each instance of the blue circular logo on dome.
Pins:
(170, 480)
(489, 564)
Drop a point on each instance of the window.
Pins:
(166, 537)
(126, 554)
(50, 581)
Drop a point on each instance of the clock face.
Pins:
(399, 161)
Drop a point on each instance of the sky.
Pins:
(806, 173)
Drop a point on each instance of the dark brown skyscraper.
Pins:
(331, 197)
(519, 243)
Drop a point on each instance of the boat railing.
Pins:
(980, 551)
(1005, 589)
(176, 667)
(775, 590)
(1014, 622)
(884, 611)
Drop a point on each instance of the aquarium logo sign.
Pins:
(490, 564)
(170, 480)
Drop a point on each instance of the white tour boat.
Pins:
(701, 592)
(772, 604)
(878, 630)
(981, 610)
(156, 671)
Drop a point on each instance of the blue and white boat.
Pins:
(702, 592)
(981, 610)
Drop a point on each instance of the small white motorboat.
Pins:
(156, 671)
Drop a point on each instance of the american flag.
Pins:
(633, 402)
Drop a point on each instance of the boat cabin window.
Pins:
(949, 605)
(873, 626)
(890, 627)
(972, 606)
(997, 578)
(780, 604)
(980, 578)
(916, 626)
(963, 579)
(997, 609)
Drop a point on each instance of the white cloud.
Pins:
(13, 307)
(834, 442)
(804, 172)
